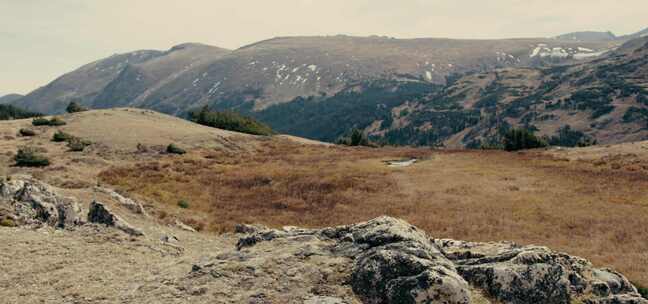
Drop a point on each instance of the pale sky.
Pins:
(42, 39)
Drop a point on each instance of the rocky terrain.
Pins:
(383, 260)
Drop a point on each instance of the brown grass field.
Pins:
(590, 202)
(588, 208)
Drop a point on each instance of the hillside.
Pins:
(132, 73)
(10, 98)
(279, 70)
(603, 99)
(580, 201)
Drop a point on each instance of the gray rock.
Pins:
(101, 214)
(394, 262)
(532, 274)
(184, 226)
(31, 202)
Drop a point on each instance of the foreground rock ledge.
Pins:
(391, 261)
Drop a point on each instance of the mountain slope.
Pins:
(281, 69)
(588, 36)
(606, 100)
(10, 98)
(131, 73)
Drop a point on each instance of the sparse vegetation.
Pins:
(9, 112)
(61, 136)
(27, 132)
(74, 107)
(6, 222)
(568, 137)
(355, 138)
(522, 139)
(174, 149)
(55, 121)
(77, 145)
(40, 121)
(634, 114)
(230, 121)
(29, 157)
(183, 204)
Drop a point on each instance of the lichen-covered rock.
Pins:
(532, 274)
(393, 261)
(399, 264)
(30, 202)
(101, 214)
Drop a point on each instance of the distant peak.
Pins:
(189, 45)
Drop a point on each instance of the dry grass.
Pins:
(279, 184)
(591, 202)
(575, 206)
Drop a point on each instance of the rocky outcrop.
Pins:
(101, 214)
(390, 261)
(532, 274)
(30, 202)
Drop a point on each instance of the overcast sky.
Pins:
(42, 39)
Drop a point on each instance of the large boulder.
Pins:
(399, 264)
(394, 262)
(31, 202)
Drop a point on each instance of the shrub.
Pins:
(61, 136)
(40, 121)
(355, 138)
(567, 137)
(173, 149)
(74, 107)
(56, 122)
(28, 157)
(522, 139)
(230, 121)
(183, 204)
(77, 145)
(7, 222)
(27, 132)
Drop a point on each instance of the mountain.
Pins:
(601, 36)
(429, 91)
(588, 36)
(133, 73)
(10, 98)
(281, 69)
(604, 100)
(640, 34)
